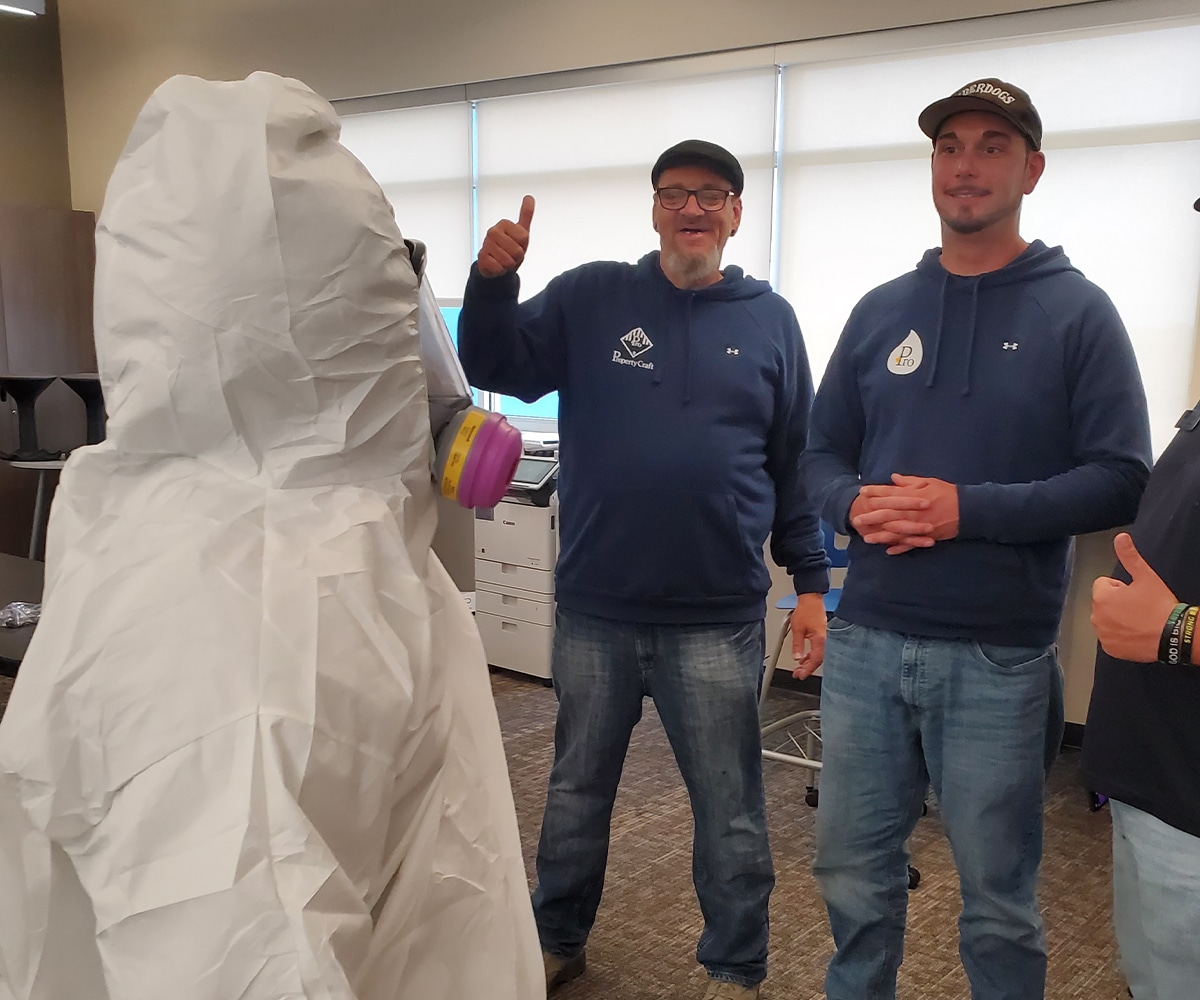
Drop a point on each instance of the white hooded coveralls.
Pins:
(251, 753)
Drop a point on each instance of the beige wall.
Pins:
(1076, 641)
(115, 52)
(33, 172)
(33, 126)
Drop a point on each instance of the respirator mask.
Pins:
(476, 451)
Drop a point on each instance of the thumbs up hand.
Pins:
(1129, 617)
(505, 244)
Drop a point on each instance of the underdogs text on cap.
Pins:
(987, 89)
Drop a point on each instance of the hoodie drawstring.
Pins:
(971, 336)
(937, 331)
(687, 352)
(1036, 261)
(664, 313)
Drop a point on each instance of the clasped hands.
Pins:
(913, 512)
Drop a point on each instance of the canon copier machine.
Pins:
(516, 547)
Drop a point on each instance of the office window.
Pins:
(586, 155)
(1121, 111)
(450, 315)
(849, 206)
(421, 157)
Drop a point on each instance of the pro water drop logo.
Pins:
(906, 357)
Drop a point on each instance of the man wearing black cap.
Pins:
(1142, 746)
(976, 413)
(684, 395)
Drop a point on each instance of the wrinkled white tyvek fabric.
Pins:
(252, 752)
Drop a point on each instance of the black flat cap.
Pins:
(699, 153)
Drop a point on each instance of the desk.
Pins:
(20, 580)
(41, 505)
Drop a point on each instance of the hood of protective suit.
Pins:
(255, 303)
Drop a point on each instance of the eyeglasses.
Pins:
(709, 199)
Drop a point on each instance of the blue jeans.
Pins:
(1156, 904)
(704, 682)
(977, 722)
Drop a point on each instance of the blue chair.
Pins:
(837, 550)
(796, 738)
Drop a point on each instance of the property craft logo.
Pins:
(635, 343)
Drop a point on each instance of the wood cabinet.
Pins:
(47, 272)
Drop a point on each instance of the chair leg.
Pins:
(40, 513)
(772, 661)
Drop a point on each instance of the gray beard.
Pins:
(690, 270)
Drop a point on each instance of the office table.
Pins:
(20, 580)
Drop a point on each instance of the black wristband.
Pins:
(1187, 633)
(1168, 642)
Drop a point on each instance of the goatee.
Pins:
(689, 270)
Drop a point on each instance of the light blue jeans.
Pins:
(704, 682)
(980, 724)
(1156, 905)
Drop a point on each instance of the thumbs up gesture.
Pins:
(1129, 617)
(505, 244)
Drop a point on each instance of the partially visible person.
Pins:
(976, 413)
(684, 392)
(1141, 745)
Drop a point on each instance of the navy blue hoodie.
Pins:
(1019, 386)
(682, 419)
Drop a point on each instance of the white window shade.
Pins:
(1121, 79)
(1121, 107)
(847, 227)
(421, 157)
(1122, 118)
(1124, 216)
(585, 155)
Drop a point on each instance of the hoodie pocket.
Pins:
(665, 545)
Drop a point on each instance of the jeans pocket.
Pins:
(1010, 658)
(839, 626)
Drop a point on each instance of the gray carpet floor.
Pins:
(643, 945)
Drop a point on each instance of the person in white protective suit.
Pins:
(252, 752)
